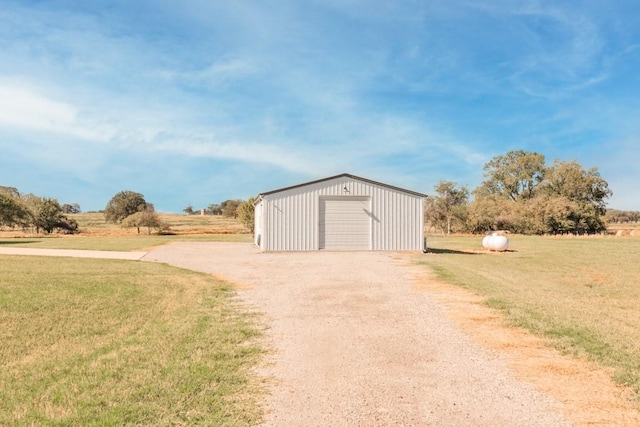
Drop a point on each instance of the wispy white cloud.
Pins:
(23, 107)
(209, 147)
(216, 74)
(26, 108)
(564, 52)
(303, 89)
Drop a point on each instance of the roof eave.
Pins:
(293, 187)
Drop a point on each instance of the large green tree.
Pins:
(448, 207)
(48, 215)
(523, 195)
(514, 175)
(489, 212)
(585, 190)
(246, 213)
(13, 212)
(124, 204)
(571, 180)
(29, 210)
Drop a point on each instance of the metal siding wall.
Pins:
(399, 220)
(291, 219)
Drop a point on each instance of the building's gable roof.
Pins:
(344, 175)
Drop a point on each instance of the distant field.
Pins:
(581, 293)
(631, 229)
(97, 234)
(625, 226)
(94, 224)
(102, 342)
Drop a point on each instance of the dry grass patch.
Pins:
(95, 224)
(587, 391)
(102, 342)
(581, 294)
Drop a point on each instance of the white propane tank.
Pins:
(495, 242)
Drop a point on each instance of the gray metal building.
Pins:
(342, 212)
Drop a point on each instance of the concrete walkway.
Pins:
(74, 253)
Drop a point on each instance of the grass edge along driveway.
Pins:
(579, 293)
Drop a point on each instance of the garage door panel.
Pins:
(345, 223)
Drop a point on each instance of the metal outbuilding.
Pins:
(342, 212)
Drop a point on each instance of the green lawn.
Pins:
(102, 342)
(582, 293)
(116, 243)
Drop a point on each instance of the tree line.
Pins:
(130, 209)
(615, 216)
(521, 193)
(31, 211)
(242, 210)
(228, 209)
(127, 208)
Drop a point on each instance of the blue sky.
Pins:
(196, 102)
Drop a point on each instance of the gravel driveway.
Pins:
(356, 343)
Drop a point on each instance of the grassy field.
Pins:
(96, 234)
(97, 342)
(581, 293)
(116, 243)
(102, 342)
(94, 224)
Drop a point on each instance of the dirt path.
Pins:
(73, 253)
(358, 344)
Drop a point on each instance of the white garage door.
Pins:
(345, 223)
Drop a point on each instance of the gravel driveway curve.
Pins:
(357, 344)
